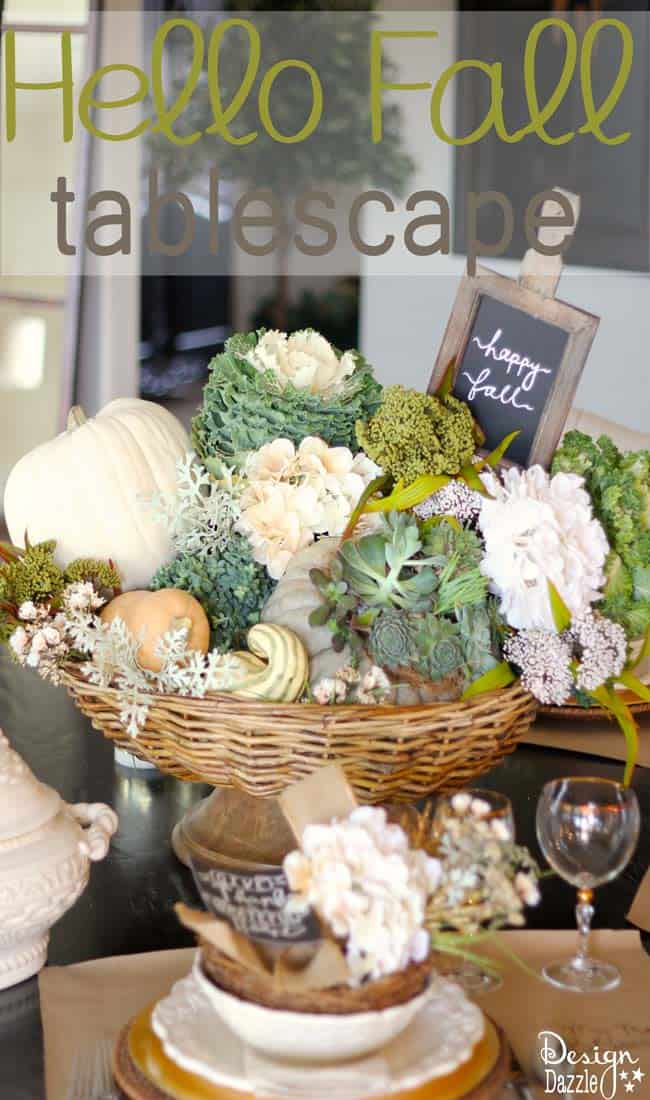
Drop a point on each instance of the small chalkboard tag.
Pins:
(507, 373)
(518, 356)
(254, 903)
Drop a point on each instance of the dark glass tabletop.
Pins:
(128, 905)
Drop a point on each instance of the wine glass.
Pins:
(496, 807)
(587, 829)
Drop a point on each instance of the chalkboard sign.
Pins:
(507, 373)
(518, 360)
(254, 903)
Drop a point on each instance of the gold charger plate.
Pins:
(144, 1072)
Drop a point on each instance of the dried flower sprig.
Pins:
(114, 652)
(587, 655)
(45, 637)
(487, 878)
(349, 685)
(545, 663)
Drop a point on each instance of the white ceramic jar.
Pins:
(46, 848)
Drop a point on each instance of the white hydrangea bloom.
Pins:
(539, 529)
(369, 887)
(273, 462)
(291, 495)
(278, 518)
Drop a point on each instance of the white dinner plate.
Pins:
(440, 1039)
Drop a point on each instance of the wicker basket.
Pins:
(340, 1000)
(389, 753)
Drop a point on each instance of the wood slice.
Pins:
(134, 1085)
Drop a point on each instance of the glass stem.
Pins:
(584, 917)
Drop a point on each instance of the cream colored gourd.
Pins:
(86, 488)
(295, 597)
(277, 667)
(150, 615)
(292, 602)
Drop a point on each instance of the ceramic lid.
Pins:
(25, 803)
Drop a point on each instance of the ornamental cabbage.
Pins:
(245, 407)
(619, 487)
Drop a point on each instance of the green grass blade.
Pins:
(375, 486)
(609, 700)
(560, 611)
(408, 496)
(498, 677)
(632, 683)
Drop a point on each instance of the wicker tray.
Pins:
(584, 714)
(389, 753)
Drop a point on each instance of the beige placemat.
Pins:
(91, 1001)
(614, 1022)
(596, 737)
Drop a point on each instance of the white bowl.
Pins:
(307, 1036)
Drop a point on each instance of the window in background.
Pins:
(37, 284)
(611, 180)
(185, 317)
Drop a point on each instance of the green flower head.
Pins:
(31, 575)
(415, 433)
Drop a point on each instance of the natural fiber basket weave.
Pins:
(388, 753)
(248, 985)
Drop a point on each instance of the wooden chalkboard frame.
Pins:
(579, 325)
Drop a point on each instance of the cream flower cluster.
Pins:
(293, 494)
(305, 359)
(369, 888)
(42, 640)
(539, 529)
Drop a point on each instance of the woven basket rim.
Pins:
(72, 672)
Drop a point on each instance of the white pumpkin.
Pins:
(85, 488)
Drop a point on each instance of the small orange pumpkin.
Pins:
(150, 615)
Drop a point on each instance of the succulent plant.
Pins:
(442, 541)
(338, 605)
(414, 599)
(458, 590)
(384, 570)
(440, 648)
(477, 628)
(392, 642)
